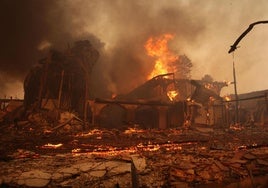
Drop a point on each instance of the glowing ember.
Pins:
(158, 47)
(51, 145)
(76, 150)
(172, 94)
(227, 98)
(47, 131)
(133, 130)
(236, 127)
(208, 86)
(211, 99)
(111, 150)
(114, 96)
(90, 133)
(104, 152)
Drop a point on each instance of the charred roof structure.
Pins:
(162, 102)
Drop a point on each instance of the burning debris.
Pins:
(195, 157)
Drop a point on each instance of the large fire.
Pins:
(158, 47)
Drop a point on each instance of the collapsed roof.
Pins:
(157, 88)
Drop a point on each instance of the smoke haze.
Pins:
(204, 31)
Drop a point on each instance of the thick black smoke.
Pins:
(204, 31)
(118, 29)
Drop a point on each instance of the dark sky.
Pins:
(203, 31)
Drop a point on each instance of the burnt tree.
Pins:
(62, 77)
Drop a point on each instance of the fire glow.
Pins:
(227, 98)
(172, 94)
(158, 47)
(54, 146)
(111, 150)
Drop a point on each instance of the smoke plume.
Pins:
(203, 31)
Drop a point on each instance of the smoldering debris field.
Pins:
(192, 156)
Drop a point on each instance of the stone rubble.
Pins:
(193, 157)
(181, 168)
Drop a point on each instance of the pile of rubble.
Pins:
(182, 168)
(184, 157)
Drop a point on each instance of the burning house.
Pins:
(61, 82)
(162, 102)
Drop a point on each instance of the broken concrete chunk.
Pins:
(69, 170)
(139, 162)
(37, 182)
(35, 178)
(97, 173)
(35, 174)
(57, 176)
(84, 167)
(121, 167)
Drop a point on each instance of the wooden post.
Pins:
(266, 101)
(60, 89)
(86, 98)
(43, 82)
(162, 111)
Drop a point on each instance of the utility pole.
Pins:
(236, 96)
(232, 49)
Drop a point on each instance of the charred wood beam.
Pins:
(62, 124)
(60, 89)
(164, 75)
(8, 100)
(156, 103)
(134, 176)
(250, 27)
(249, 98)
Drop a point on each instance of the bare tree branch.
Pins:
(250, 27)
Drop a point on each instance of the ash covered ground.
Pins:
(195, 156)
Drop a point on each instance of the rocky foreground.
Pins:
(194, 157)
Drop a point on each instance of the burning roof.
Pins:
(165, 88)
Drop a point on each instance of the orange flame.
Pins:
(52, 145)
(172, 95)
(227, 98)
(158, 47)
